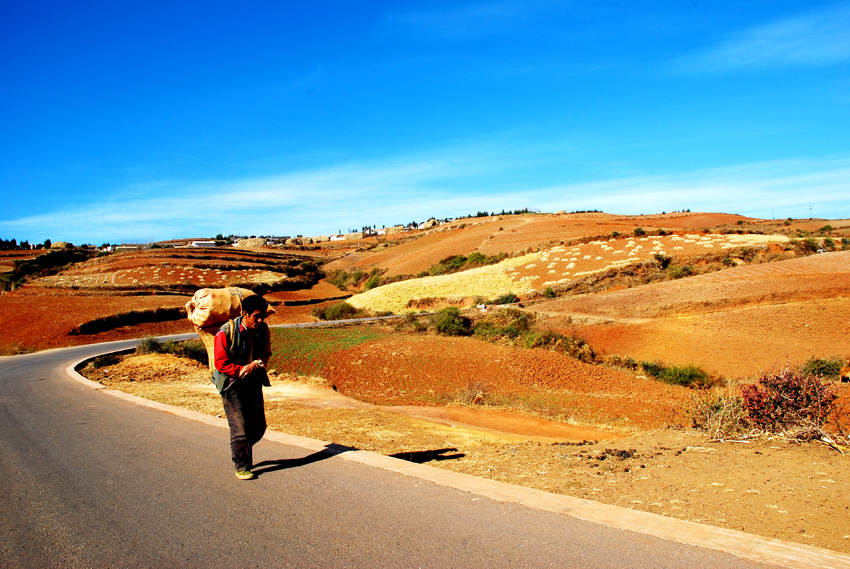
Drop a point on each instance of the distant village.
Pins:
(256, 241)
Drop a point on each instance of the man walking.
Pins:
(242, 350)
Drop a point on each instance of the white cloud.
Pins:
(784, 188)
(339, 198)
(821, 38)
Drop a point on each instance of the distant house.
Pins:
(203, 244)
(337, 237)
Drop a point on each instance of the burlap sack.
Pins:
(211, 306)
(207, 336)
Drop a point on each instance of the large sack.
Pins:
(212, 306)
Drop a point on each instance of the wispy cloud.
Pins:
(339, 198)
(815, 39)
(781, 188)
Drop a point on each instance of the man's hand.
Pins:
(250, 368)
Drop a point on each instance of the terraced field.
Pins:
(733, 322)
(529, 275)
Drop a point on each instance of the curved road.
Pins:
(89, 480)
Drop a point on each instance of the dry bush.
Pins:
(721, 414)
(786, 403)
(475, 393)
(788, 400)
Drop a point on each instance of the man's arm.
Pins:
(222, 356)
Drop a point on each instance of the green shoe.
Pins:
(244, 474)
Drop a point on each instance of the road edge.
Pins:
(737, 543)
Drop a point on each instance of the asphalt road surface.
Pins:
(89, 480)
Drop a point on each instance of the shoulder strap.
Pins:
(229, 332)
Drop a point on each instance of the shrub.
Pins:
(540, 339)
(829, 244)
(663, 260)
(448, 265)
(474, 393)
(826, 229)
(549, 292)
(787, 399)
(686, 376)
(845, 243)
(451, 322)
(627, 362)
(487, 329)
(192, 349)
(682, 272)
(721, 415)
(477, 258)
(372, 282)
(639, 232)
(823, 367)
(408, 321)
(653, 368)
(105, 360)
(337, 311)
(507, 298)
(810, 245)
(149, 345)
(195, 350)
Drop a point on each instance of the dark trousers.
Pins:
(243, 405)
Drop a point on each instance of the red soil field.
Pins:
(733, 322)
(40, 316)
(412, 370)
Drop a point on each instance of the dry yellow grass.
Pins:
(487, 282)
(558, 265)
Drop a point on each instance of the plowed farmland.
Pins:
(45, 311)
(390, 369)
(733, 322)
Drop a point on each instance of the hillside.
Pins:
(729, 294)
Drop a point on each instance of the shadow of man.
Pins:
(423, 456)
(329, 451)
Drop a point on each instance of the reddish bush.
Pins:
(786, 399)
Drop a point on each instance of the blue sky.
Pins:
(145, 121)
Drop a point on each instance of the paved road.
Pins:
(89, 480)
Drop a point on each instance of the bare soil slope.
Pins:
(512, 235)
(400, 369)
(733, 322)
